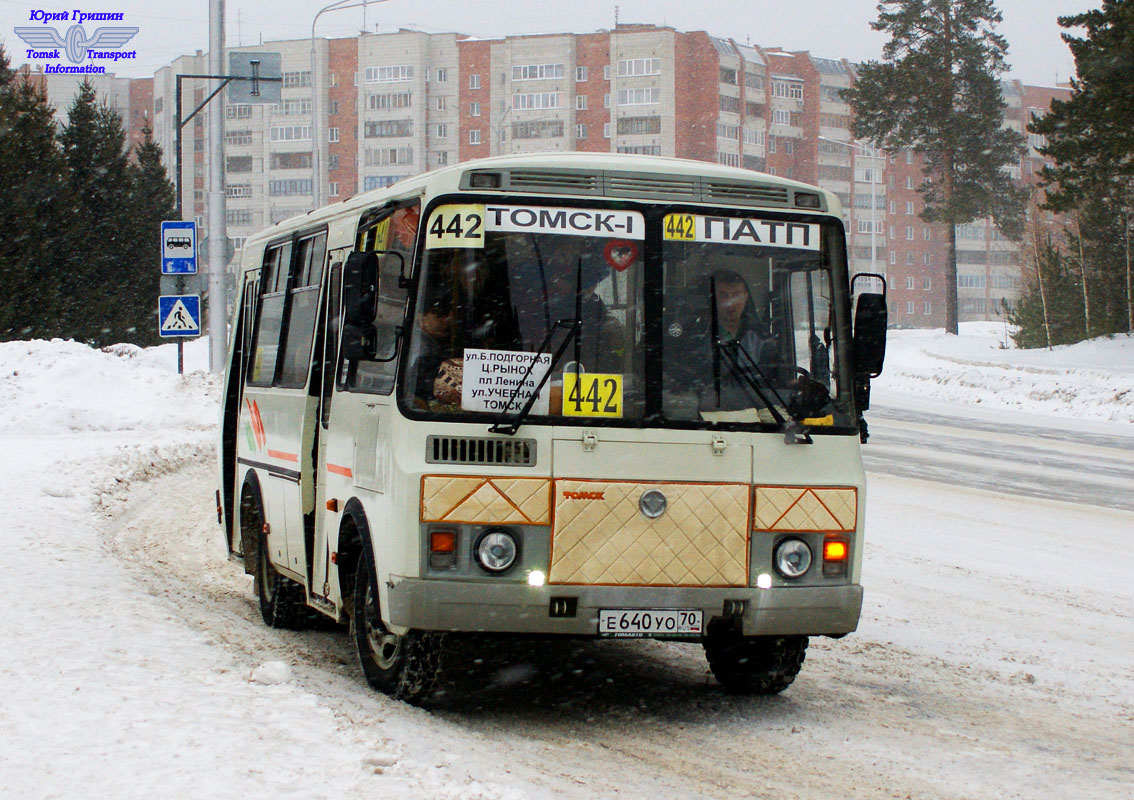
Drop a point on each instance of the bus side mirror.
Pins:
(360, 289)
(869, 335)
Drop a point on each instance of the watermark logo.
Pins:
(105, 43)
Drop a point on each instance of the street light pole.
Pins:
(871, 153)
(317, 104)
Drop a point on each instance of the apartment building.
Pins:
(397, 104)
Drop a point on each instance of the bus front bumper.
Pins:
(474, 606)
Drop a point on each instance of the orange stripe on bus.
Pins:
(344, 471)
(283, 456)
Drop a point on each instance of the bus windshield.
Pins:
(745, 331)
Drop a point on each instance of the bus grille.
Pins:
(472, 450)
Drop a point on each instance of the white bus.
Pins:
(555, 395)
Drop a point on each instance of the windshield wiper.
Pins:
(793, 432)
(502, 424)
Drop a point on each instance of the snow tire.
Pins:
(755, 664)
(405, 667)
(282, 600)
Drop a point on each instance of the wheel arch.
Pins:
(354, 543)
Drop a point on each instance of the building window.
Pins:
(909, 282)
(894, 260)
(639, 97)
(388, 128)
(442, 130)
(474, 81)
(728, 75)
(926, 233)
(909, 307)
(333, 189)
(238, 111)
(580, 131)
(474, 137)
(909, 207)
(379, 181)
(442, 75)
(909, 260)
(728, 159)
(606, 72)
(537, 72)
(781, 117)
(291, 161)
(381, 156)
(789, 146)
(238, 216)
(442, 102)
(580, 74)
(537, 100)
(546, 129)
(927, 307)
(580, 102)
(290, 187)
(474, 109)
(606, 130)
(630, 67)
(729, 104)
(238, 164)
(296, 80)
(290, 133)
(238, 190)
(606, 100)
(909, 181)
(909, 232)
(332, 134)
(394, 74)
(291, 108)
(790, 89)
(332, 162)
(333, 80)
(333, 108)
(442, 158)
(238, 137)
(380, 102)
(927, 283)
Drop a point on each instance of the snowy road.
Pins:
(993, 659)
(1051, 461)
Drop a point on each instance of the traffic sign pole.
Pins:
(178, 258)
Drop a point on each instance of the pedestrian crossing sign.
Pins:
(179, 315)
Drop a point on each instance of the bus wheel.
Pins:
(405, 667)
(755, 664)
(282, 601)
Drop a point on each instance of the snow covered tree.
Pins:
(32, 209)
(937, 92)
(1091, 139)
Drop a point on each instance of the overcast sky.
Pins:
(828, 28)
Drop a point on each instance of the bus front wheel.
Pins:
(755, 664)
(405, 667)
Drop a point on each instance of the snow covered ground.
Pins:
(993, 659)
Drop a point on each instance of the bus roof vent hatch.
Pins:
(746, 194)
(480, 450)
(555, 181)
(661, 187)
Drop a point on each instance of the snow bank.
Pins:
(1091, 380)
(52, 387)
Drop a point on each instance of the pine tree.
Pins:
(94, 147)
(32, 210)
(937, 92)
(1091, 138)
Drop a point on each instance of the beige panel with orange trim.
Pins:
(805, 508)
(600, 536)
(476, 499)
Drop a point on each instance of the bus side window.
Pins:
(302, 310)
(331, 340)
(269, 322)
(396, 233)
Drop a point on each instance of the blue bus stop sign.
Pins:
(178, 247)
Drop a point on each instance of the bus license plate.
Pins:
(637, 622)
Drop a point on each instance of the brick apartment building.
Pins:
(397, 104)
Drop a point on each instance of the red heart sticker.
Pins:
(620, 254)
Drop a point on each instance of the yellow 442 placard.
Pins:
(592, 394)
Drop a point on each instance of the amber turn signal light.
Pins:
(835, 552)
(442, 541)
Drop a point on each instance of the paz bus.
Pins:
(555, 395)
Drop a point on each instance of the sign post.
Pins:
(179, 315)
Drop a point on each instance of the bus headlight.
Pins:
(792, 558)
(496, 550)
